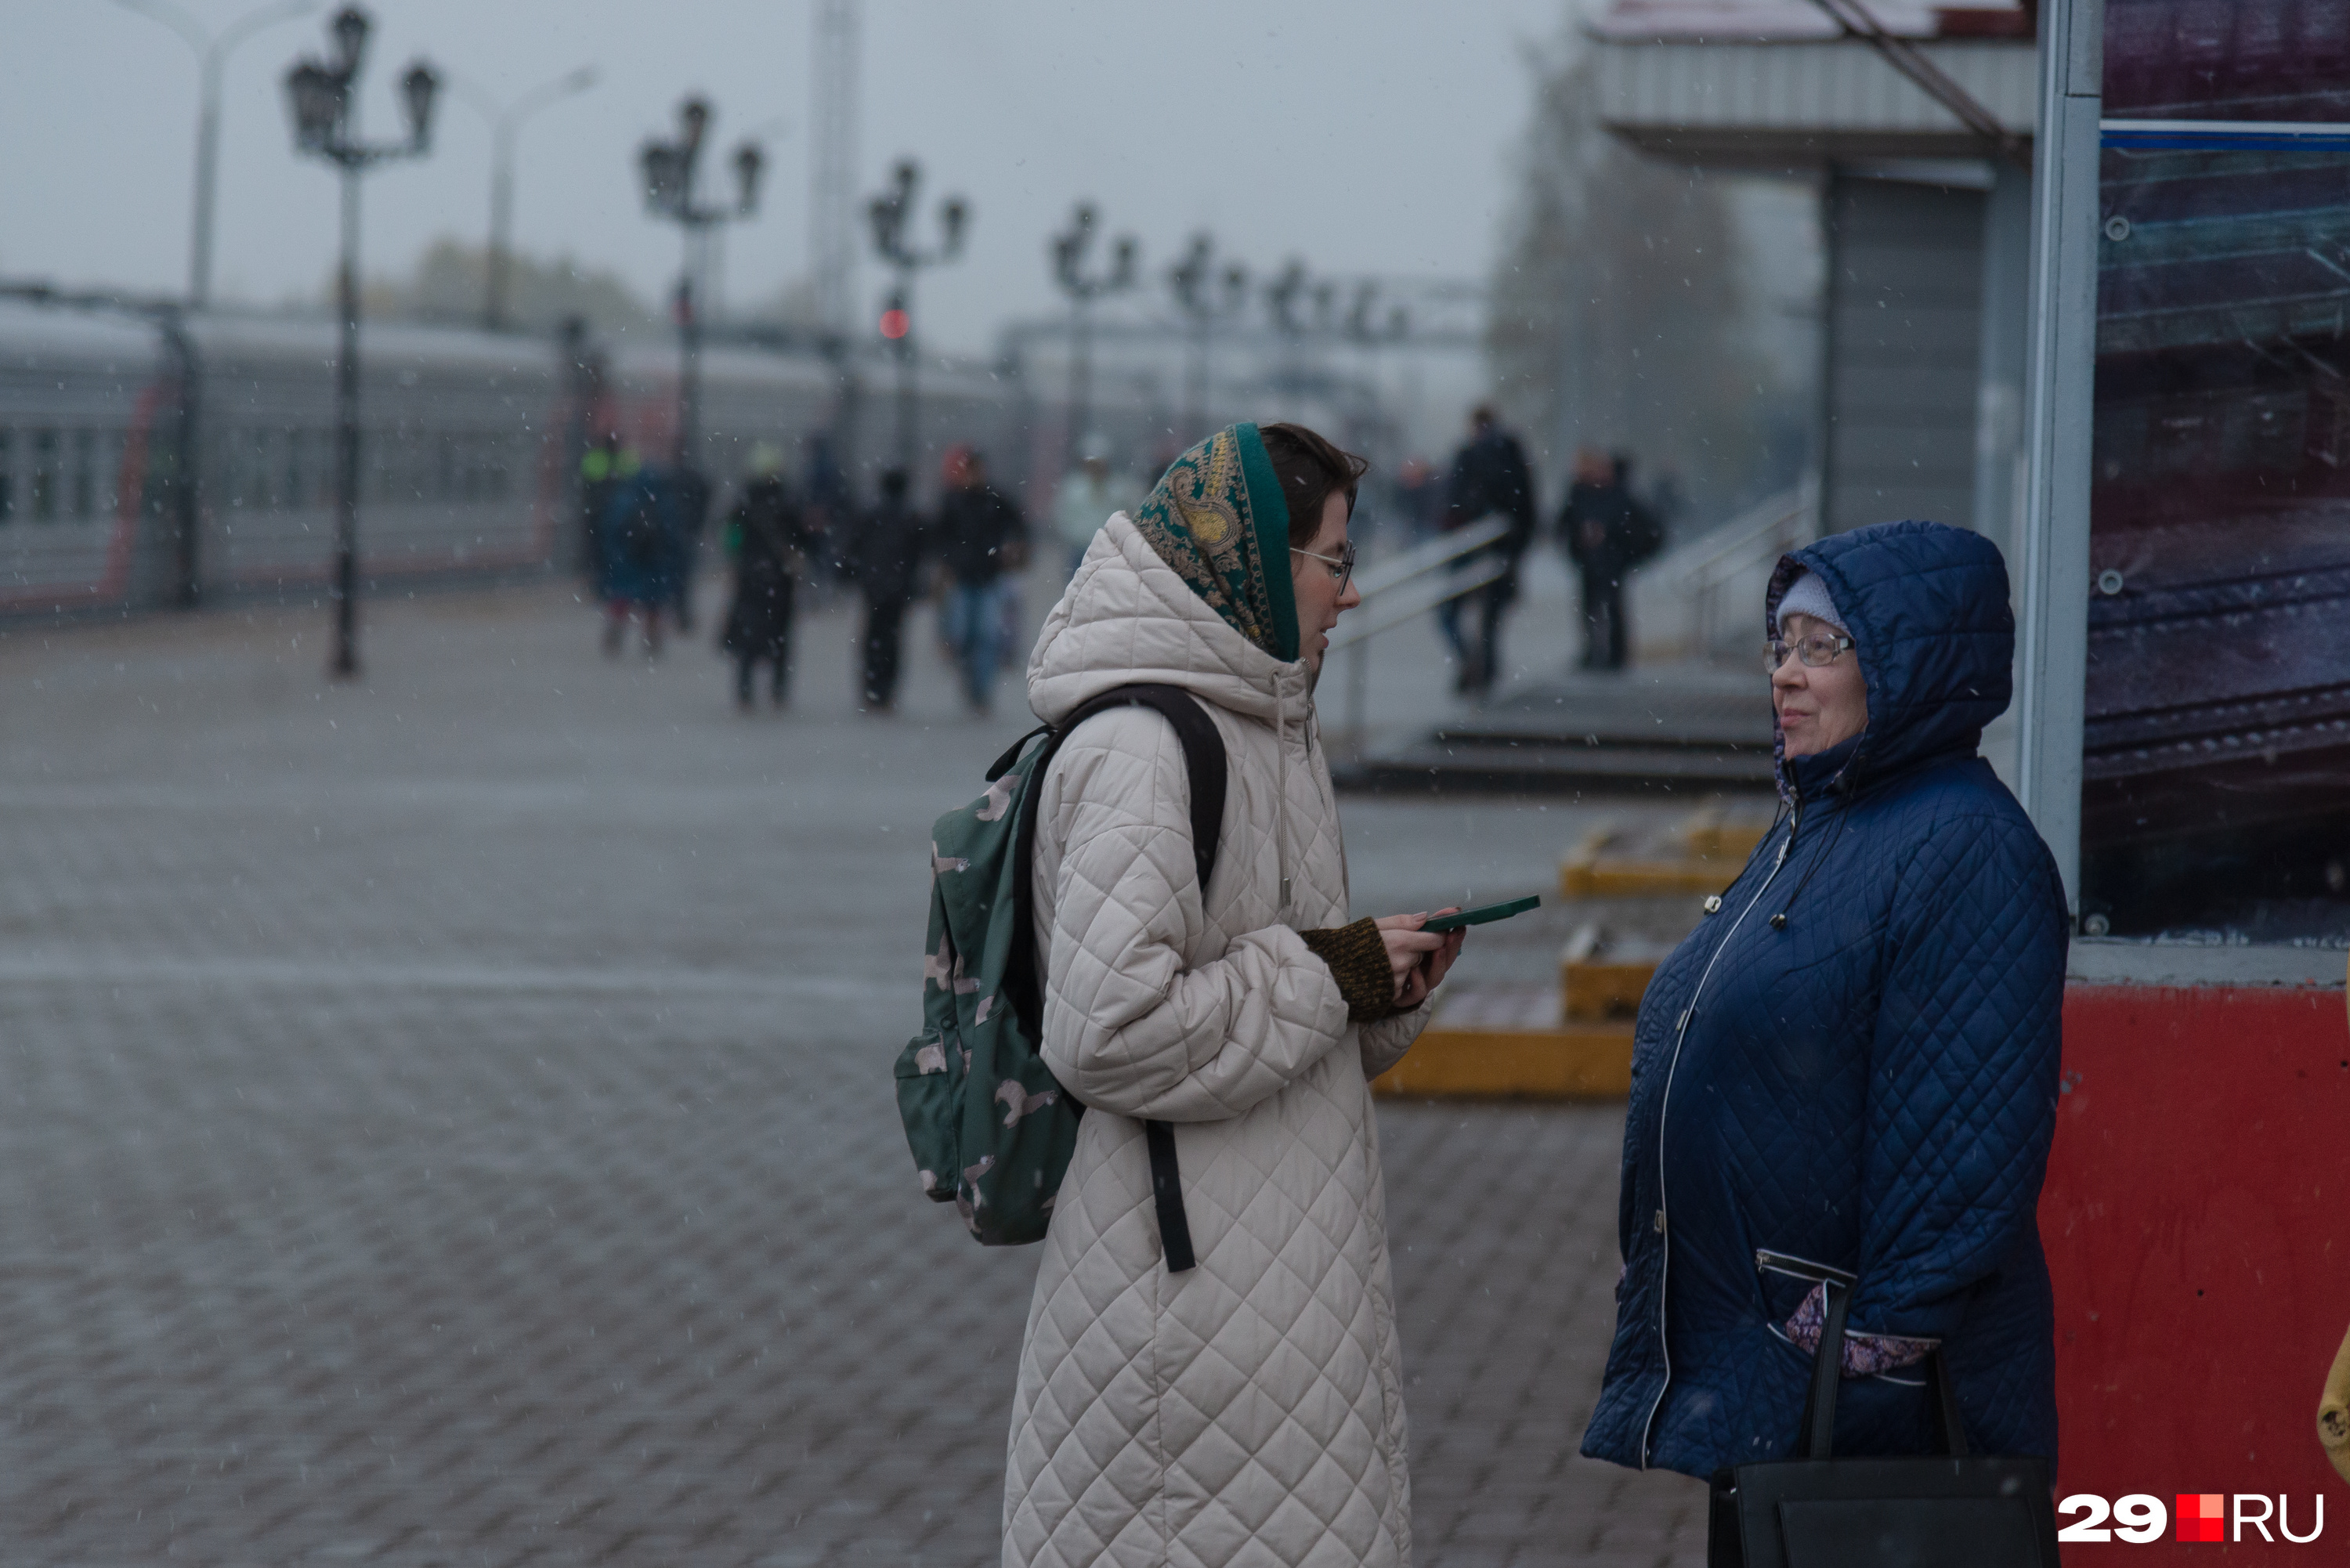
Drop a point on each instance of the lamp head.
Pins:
(1282, 292)
(315, 97)
(1190, 273)
(749, 164)
(663, 167)
(350, 28)
(692, 119)
(1235, 285)
(418, 90)
(954, 215)
(1123, 262)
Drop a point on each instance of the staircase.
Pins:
(1693, 728)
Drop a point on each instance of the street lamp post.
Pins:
(213, 50)
(669, 169)
(1083, 288)
(322, 96)
(1371, 336)
(505, 126)
(1282, 297)
(1191, 279)
(891, 214)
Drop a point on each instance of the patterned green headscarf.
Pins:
(1219, 520)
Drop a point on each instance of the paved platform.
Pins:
(448, 1123)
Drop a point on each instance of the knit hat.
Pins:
(1809, 595)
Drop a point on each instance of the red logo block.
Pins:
(2202, 1516)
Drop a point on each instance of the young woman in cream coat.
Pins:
(1249, 1409)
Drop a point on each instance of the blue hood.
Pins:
(1927, 608)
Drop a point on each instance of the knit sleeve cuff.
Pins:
(1358, 957)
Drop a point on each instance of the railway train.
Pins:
(171, 459)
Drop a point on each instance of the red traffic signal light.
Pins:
(893, 324)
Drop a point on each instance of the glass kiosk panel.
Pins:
(2216, 748)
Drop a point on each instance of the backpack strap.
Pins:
(1166, 1197)
(1204, 761)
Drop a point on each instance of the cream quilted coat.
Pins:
(1250, 1410)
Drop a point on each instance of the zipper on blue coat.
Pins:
(1664, 1105)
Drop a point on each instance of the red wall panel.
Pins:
(2197, 1218)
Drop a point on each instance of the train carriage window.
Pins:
(45, 475)
(290, 493)
(8, 478)
(2218, 713)
(85, 474)
(257, 494)
(111, 445)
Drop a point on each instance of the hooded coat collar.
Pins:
(1927, 605)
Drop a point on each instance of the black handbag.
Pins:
(1954, 1509)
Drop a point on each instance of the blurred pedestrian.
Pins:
(1848, 1074)
(1420, 488)
(688, 491)
(981, 540)
(1088, 496)
(886, 558)
(1249, 1409)
(829, 504)
(1605, 532)
(640, 556)
(771, 540)
(606, 465)
(1490, 478)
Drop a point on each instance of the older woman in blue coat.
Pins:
(1850, 1067)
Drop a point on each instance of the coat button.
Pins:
(1660, 1222)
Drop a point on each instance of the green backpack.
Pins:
(991, 1128)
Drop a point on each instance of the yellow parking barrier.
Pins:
(1509, 1041)
(1711, 851)
(1597, 983)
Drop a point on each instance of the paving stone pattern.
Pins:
(448, 1122)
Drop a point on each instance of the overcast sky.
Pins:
(1363, 135)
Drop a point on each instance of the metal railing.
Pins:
(1406, 587)
(1738, 547)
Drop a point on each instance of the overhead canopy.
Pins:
(1777, 84)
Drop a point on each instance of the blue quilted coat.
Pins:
(1871, 1083)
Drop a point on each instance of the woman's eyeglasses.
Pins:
(1342, 568)
(1817, 650)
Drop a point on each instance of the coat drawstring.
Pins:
(1281, 809)
(1779, 920)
